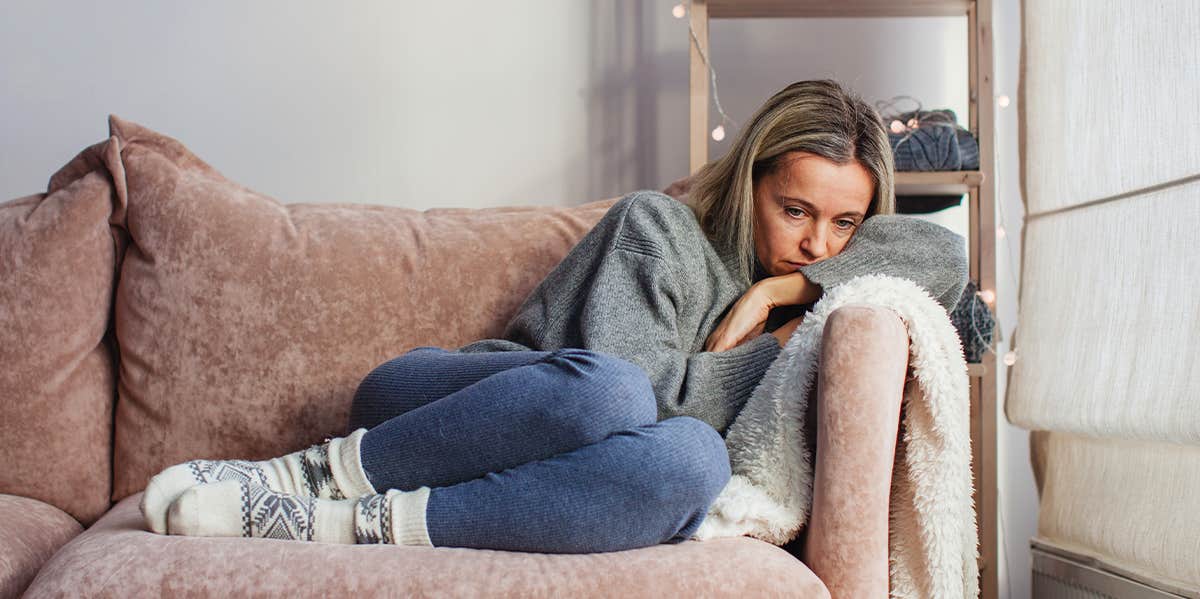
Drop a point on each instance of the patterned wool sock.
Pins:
(238, 509)
(330, 470)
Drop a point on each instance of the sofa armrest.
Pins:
(33, 531)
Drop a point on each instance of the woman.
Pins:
(596, 423)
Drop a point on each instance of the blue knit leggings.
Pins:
(553, 452)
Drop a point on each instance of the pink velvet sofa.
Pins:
(154, 312)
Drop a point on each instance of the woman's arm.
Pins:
(927, 254)
(748, 316)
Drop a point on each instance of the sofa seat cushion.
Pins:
(117, 557)
(33, 531)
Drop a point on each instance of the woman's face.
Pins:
(807, 210)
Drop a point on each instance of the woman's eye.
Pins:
(846, 224)
(793, 211)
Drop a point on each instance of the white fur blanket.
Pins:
(932, 539)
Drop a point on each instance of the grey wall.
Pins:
(422, 104)
(466, 104)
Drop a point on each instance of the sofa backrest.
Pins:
(244, 325)
(57, 264)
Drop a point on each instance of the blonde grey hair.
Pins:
(809, 116)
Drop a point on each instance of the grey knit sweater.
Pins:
(645, 284)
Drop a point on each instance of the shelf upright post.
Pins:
(983, 270)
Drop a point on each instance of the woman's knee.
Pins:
(399, 371)
(603, 393)
(691, 463)
(389, 389)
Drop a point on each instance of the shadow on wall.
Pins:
(629, 76)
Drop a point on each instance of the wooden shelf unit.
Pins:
(751, 9)
(978, 185)
(941, 183)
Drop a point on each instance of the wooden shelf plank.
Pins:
(749, 9)
(937, 182)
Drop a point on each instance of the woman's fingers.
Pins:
(718, 341)
(724, 337)
(711, 342)
(747, 315)
(755, 332)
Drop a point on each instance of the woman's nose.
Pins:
(814, 243)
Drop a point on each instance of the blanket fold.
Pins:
(932, 538)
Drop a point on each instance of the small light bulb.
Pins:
(913, 123)
(679, 11)
(719, 133)
(987, 295)
(897, 127)
(1000, 233)
(1010, 358)
(1003, 101)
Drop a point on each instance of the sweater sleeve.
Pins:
(927, 254)
(621, 291)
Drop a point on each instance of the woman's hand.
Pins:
(745, 320)
(748, 316)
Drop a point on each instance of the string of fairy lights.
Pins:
(987, 296)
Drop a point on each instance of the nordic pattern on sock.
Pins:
(373, 520)
(318, 475)
(270, 515)
(211, 471)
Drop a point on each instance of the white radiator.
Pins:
(1061, 575)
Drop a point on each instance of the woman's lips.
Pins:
(796, 264)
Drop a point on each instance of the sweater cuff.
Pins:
(927, 254)
(740, 369)
(843, 267)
